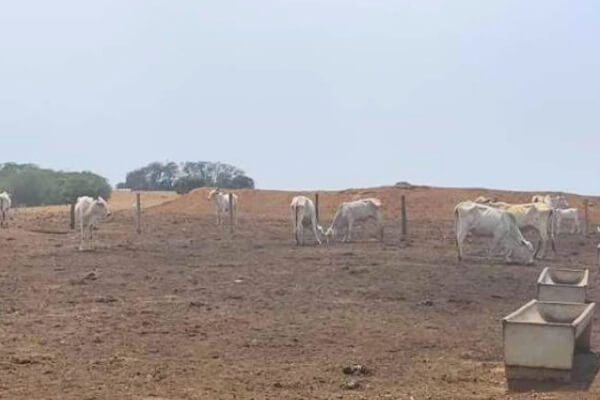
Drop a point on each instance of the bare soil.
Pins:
(188, 311)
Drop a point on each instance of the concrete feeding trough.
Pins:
(540, 339)
(564, 285)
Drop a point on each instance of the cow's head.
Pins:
(101, 208)
(323, 233)
(525, 251)
(562, 202)
(213, 193)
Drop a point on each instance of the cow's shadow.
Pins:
(585, 368)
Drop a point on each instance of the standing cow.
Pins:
(304, 215)
(88, 212)
(483, 220)
(221, 201)
(355, 211)
(5, 204)
(537, 216)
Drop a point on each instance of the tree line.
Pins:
(186, 176)
(30, 185)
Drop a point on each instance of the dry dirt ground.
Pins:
(186, 311)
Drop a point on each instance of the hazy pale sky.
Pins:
(307, 94)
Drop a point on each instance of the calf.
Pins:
(88, 212)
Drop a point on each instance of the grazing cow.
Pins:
(355, 211)
(557, 201)
(221, 201)
(88, 212)
(569, 215)
(537, 216)
(5, 204)
(304, 215)
(482, 220)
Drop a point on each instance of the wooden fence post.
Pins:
(404, 219)
(586, 216)
(231, 213)
(138, 213)
(317, 206)
(72, 215)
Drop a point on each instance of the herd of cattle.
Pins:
(501, 221)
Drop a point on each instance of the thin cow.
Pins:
(483, 220)
(88, 212)
(221, 201)
(355, 211)
(304, 215)
(536, 216)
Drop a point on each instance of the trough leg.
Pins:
(584, 342)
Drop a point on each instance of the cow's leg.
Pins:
(544, 245)
(295, 224)
(494, 245)
(92, 245)
(3, 218)
(350, 223)
(81, 236)
(460, 240)
(314, 227)
(507, 256)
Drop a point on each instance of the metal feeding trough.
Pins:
(540, 339)
(564, 285)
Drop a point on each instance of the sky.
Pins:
(308, 94)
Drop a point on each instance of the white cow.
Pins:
(483, 220)
(555, 201)
(221, 201)
(88, 212)
(355, 211)
(484, 200)
(5, 204)
(569, 215)
(536, 216)
(304, 215)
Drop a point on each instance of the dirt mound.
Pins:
(424, 203)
